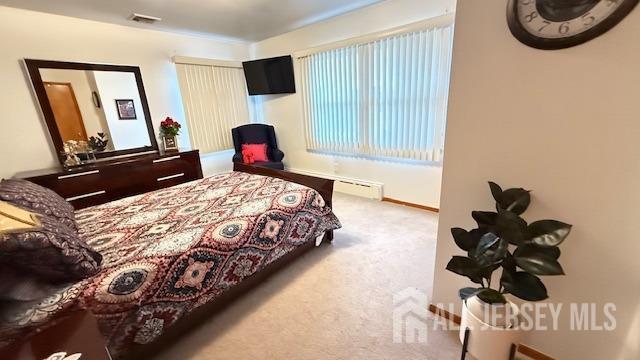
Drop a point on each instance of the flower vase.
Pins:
(493, 328)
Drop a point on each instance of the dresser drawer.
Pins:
(171, 180)
(89, 199)
(172, 170)
(80, 183)
(129, 179)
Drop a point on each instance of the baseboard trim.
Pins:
(522, 348)
(417, 206)
(533, 353)
(445, 314)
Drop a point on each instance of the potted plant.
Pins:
(98, 143)
(169, 129)
(503, 240)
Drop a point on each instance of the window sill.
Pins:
(378, 158)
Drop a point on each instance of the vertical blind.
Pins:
(215, 101)
(384, 98)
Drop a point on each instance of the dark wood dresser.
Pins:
(115, 179)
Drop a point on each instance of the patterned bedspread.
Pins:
(168, 252)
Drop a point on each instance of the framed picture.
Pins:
(170, 143)
(126, 109)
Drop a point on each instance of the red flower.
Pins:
(170, 127)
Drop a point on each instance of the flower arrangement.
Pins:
(169, 128)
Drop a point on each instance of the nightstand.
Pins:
(77, 334)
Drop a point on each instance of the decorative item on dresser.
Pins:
(169, 131)
(114, 179)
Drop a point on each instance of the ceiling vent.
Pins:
(145, 19)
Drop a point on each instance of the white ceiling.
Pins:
(248, 20)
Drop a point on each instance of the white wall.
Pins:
(112, 86)
(565, 124)
(284, 111)
(27, 34)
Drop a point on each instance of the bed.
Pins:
(176, 254)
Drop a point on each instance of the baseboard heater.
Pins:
(345, 185)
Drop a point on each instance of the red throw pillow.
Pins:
(259, 151)
(247, 156)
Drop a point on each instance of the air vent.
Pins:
(145, 19)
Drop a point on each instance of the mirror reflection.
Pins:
(101, 108)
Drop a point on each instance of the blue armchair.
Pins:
(258, 134)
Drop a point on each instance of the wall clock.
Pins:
(557, 24)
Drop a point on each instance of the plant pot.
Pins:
(170, 143)
(489, 339)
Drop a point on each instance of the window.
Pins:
(214, 95)
(383, 98)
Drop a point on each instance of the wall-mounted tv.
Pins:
(270, 76)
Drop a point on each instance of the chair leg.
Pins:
(465, 344)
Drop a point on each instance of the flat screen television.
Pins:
(270, 76)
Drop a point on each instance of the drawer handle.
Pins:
(62, 177)
(166, 159)
(170, 177)
(86, 195)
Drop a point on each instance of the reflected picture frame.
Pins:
(96, 99)
(126, 109)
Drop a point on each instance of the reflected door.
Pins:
(66, 111)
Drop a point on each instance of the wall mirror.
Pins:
(101, 107)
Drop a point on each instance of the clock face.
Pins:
(555, 24)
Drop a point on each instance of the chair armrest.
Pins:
(237, 158)
(278, 155)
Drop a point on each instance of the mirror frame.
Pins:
(33, 68)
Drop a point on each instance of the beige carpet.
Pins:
(336, 301)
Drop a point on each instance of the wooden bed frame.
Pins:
(200, 315)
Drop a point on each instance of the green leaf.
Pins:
(540, 265)
(468, 292)
(524, 285)
(492, 255)
(537, 262)
(464, 239)
(484, 218)
(496, 191)
(509, 263)
(552, 252)
(491, 296)
(486, 241)
(515, 200)
(548, 232)
(511, 227)
(466, 267)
